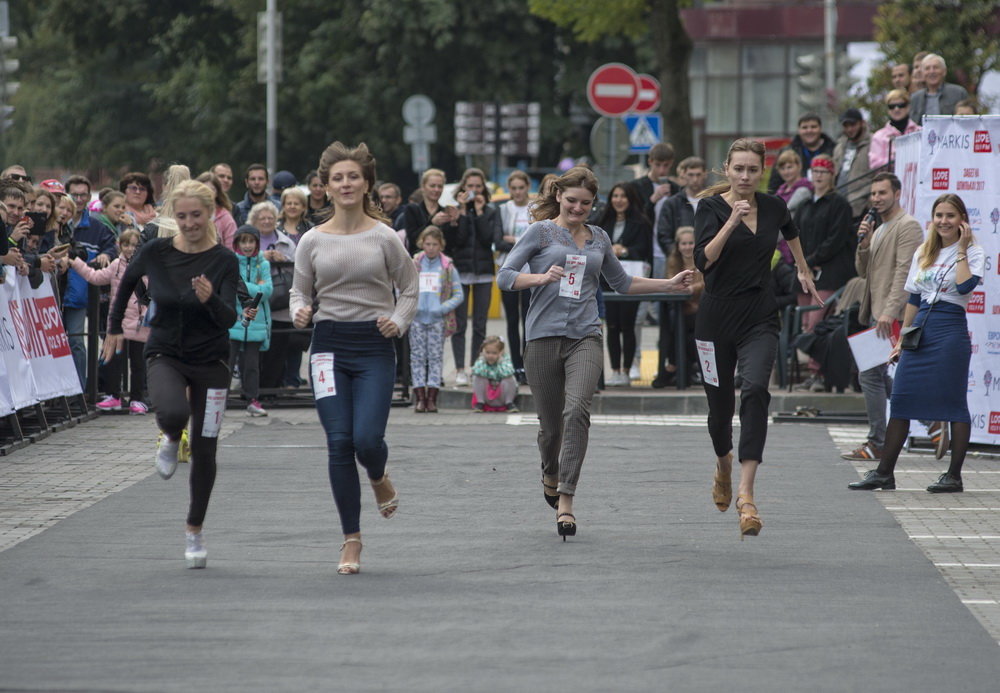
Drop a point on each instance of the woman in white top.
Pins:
(347, 267)
(515, 218)
(931, 381)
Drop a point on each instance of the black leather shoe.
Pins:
(873, 480)
(946, 484)
(665, 379)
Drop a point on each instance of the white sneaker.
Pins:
(195, 553)
(616, 379)
(461, 379)
(634, 373)
(166, 457)
(255, 409)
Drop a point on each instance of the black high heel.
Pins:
(566, 529)
(553, 501)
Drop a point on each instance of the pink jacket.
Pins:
(226, 226)
(112, 274)
(878, 150)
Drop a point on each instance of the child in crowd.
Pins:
(249, 337)
(493, 382)
(136, 333)
(440, 294)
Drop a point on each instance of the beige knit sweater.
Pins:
(352, 276)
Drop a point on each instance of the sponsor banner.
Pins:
(961, 155)
(35, 359)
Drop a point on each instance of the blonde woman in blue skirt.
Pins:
(931, 380)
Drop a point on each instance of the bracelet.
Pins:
(962, 257)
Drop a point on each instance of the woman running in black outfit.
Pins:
(736, 232)
(192, 284)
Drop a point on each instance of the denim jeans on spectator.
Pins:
(355, 417)
(74, 320)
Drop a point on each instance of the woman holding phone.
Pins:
(945, 270)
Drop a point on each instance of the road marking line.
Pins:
(967, 565)
(963, 537)
(980, 602)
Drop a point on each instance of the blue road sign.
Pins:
(643, 131)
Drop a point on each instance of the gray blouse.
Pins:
(546, 244)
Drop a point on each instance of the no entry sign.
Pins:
(649, 95)
(613, 89)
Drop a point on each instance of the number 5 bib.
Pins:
(572, 280)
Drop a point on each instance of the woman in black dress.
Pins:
(737, 230)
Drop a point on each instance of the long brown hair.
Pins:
(741, 145)
(675, 261)
(547, 206)
(930, 248)
(469, 173)
(360, 155)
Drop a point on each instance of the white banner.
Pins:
(34, 349)
(961, 155)
(19, 387)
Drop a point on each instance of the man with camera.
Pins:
(885, 251)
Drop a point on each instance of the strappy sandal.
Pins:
(350, 568)
(388, 508)
(722, 488)
(750, 522)
(551, 499)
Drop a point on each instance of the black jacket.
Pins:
(644, 186)
(828, 241)
(637, 239)
(826, 146)
(470, 245)
(675, 213)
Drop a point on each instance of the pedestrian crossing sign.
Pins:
(643, 131)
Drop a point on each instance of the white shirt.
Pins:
(925, 281)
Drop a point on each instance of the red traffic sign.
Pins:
(613, 89)
(649, 95)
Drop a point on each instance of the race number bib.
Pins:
(430, 282)
(706, 357)
(321, 365)
(572, 280)
(215, 408)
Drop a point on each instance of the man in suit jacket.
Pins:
(937, 97)
(883, 260)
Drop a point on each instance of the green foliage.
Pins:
(126, 84)
(591, 20)
(963, 33)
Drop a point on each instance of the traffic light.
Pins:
(845, 82)
(812, 85)
(8, 87)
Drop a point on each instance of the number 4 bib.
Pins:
(321, 365)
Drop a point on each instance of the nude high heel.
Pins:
(750, 522)
(722, 489)
(350, 568)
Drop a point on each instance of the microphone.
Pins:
(245, 321)
(870, 218)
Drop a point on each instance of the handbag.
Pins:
(909, 337)
(281, 280)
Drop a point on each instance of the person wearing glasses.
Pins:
(139, 199)
(15, 172)
(881, 152)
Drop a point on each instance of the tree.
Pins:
(591, 20)
(966, 34)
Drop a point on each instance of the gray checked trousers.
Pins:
(563, 374)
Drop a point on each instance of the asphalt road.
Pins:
(469, 588)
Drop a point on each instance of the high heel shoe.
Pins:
(722, 489)
(552, 500)
(750, 522)
(350, 568)
(388, 508)
(566, 529)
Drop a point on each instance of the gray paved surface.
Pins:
(469, 587)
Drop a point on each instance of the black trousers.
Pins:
(515, 308)
(273, 361)
(169, 381)
(481, 296)
(620, 317)
(752, 345)
(115, 370)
